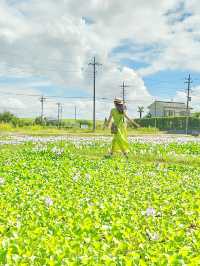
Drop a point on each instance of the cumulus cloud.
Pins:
(56, 40)
(180, 49)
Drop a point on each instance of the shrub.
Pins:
(166, 123)
(7, 117)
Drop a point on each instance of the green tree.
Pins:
(140, 110)
(7, 117)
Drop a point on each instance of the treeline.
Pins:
(161, 123)
(7, 117)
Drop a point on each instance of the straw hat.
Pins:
(118, 101)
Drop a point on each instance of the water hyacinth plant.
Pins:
(64, 203)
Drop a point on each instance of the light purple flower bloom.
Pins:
(48, 201)
(57, 151)
(88, 176)
(76, 177)
(150, 212)
(154, 236)
(106, 227)
(2, 181)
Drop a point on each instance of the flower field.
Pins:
(64, 203)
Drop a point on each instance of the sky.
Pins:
(46, 47)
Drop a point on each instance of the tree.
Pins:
(140, 110)
(40, 121)
(7, 117)
(197, 114)
(148, 115)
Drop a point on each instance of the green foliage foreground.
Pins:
(65, 204)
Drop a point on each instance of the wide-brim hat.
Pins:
(118, 101)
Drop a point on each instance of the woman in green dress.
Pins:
(118, 128)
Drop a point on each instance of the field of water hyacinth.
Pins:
(64, 203)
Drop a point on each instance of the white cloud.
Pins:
(52, 39)
(181, 50)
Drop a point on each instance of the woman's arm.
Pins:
(109, 120)
(131, 120)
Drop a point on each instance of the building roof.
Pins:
(51, 119)
(170, 104)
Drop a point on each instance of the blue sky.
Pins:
(164, 84)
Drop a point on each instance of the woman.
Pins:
(118, 128)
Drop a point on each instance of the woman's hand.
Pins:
(131, 120)
(135, 124)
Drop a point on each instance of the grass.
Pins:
(65, 204)
(6, 129)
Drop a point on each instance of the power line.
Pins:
(62, 97)
(50, 96)
(102, 99)
(20, 94)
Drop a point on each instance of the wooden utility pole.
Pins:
(155, 115)
(123, 91)
(58, 115)
(188, 82)
(42, 99)
(94, 64)
(75, 113)
(61, 113)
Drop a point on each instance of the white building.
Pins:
(163, 109)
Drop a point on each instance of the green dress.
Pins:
(120, 139)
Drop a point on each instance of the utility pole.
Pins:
(61, 113)
(123, 91)
(75, 113)
(188, 82)
(58, 117)
(42, 99)
(155, 115)
(94, 64)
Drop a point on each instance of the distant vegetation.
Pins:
(14, 121)
(29, 126)
(9, 120)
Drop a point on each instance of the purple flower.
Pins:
(154, 236)
(48, 201)
(150, 212)
(2, 181)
